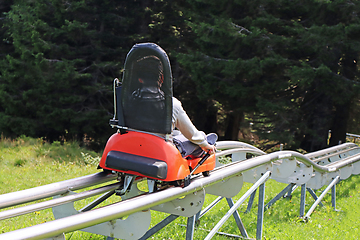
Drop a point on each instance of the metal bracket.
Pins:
(133, 227)
(302, 174)
(187, 206)
(253, 175)
(356, 168)
(227, 188)
(346, 171)
(317, 181)
(151, 185)
(283, 168)
(128, 180)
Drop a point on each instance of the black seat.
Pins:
(129, 162)
(146, 93)
(144, 103)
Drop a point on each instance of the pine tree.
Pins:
(58, 81)
(5, 47)
(289, 65)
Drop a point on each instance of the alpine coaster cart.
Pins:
(142, 147)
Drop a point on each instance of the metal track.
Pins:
(225, 181)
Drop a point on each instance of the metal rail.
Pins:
(235, 144)
(308, 159)
(236, 150)
(146, 201)
(354, 136)
(56, 202)
(329, 150)
(50, 190)
(345, 161)
(139, 203)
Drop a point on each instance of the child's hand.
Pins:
(211, 149)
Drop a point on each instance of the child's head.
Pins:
(149, 70)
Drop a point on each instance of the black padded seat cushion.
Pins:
(129, 162)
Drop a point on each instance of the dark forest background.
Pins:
(262, 71)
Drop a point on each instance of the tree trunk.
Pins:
(342, 112)
(205, 117)
(339, 126)
(319, 118)
(233, 126)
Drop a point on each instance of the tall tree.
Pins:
(168, 28)
(234, 62)
(288, 67)
(5, 46)
(329, 58)
(283, 63)
(58, 81)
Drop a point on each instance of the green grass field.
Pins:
(27, 163)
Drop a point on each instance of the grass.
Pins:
(27, 163)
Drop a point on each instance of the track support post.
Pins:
(281, 194)
(260, 216)
(251, 201)
(333, 197)
(159, 226)
(265, 176)
(238, 219)
(333, 182)
(312, 193)
(302, 199)
(190, 227)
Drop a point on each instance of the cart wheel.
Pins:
(206, 173)
(176, 183)
(187, 181)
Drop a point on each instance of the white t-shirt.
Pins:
(181, 121)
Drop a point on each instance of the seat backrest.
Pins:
(146, 94)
